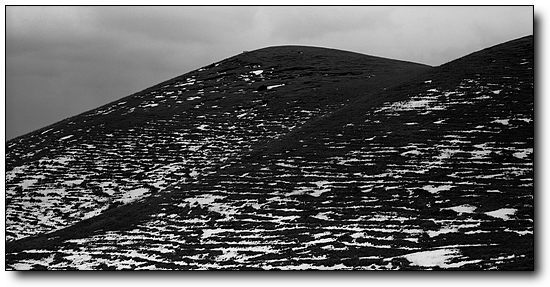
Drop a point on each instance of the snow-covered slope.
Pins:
(289, 158)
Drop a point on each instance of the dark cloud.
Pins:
(61, 61)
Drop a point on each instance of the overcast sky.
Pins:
(61, 61)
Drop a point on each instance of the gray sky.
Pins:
(61, 61)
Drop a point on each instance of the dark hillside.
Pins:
(179, 130)
(356, 162)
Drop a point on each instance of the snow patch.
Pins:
(151, 105)
(503, 122)
(503, 213)
(322, 186)
(257, 72)
(411, 152)
(194, 174)
(274, 86)
(203, 199)
(465, 208)
(434, 189)
(203, 127)
(133, 195)
(242, 115)
(322, 216)
(524, 153)
(433, 258)
(443, 230)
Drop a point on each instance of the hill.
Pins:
(288, 158)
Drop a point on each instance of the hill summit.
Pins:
(289, 158)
